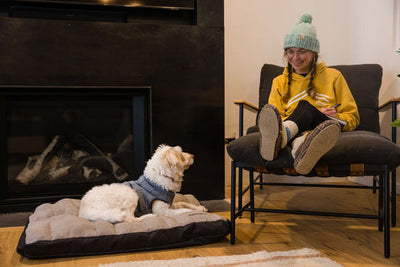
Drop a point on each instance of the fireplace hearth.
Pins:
(59, 141)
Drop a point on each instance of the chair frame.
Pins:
(383, 180)
(392, 103)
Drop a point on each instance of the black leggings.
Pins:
(306, 116)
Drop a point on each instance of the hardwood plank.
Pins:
(348, 241)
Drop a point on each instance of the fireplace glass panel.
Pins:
(62, 145)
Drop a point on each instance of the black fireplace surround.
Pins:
(178, 52)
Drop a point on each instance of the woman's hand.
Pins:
(329, 111)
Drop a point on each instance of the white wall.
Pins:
(350, 32)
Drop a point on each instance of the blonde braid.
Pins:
(311, 89)
(286, 95)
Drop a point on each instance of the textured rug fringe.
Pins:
(301, 257)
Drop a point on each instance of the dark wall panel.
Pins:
(184, 64)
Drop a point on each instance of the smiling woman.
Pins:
(300, 59)
(301, 100)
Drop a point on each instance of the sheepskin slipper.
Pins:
(316, 144)
(270, 125)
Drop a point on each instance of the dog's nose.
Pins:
(189, 159)
(188, 155)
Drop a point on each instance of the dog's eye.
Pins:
(182, 158)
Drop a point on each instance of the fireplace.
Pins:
(178, 52)
(59, 141)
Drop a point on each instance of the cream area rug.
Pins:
(301, 257)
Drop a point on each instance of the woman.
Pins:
(305, 102)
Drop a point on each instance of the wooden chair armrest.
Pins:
(388, 104)
(246, 105)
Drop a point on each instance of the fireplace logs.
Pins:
(69, 159)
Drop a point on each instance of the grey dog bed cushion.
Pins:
(56, 230)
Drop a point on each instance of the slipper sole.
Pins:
(270, 125)
(317, 144)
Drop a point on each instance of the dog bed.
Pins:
(56, 230)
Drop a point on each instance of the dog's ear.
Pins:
(174, 157)
(161, 147)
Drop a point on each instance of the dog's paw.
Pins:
(150, 215)
(201, 208)
(139, 219)
(185, 205)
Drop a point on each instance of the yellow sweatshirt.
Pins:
(331, 89)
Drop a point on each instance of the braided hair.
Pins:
(311, 89)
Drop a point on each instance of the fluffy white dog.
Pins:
(152, 194)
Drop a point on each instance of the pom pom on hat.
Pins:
(306, 18)
(303, 35)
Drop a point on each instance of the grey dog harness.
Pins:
(149, 191)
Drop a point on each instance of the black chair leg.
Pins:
(251, 180)
(394, 137)
(380, 200)
(394, 193)
(386, 213)
(233, 201)
(240, 189)
(374, 184)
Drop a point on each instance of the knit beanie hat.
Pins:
(303, 35)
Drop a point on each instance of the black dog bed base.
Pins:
(56, 230)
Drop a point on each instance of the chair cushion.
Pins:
(364, 147)
(352, 147)
(246, 149)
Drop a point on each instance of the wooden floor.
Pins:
(350, 242)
